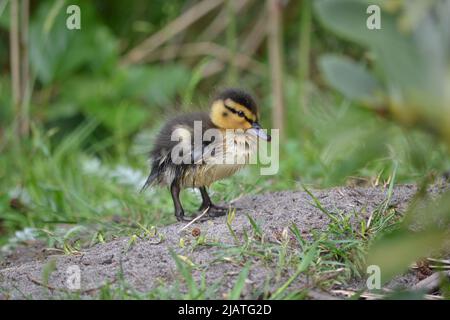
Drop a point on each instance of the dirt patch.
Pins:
(148, 263)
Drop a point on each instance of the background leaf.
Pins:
(350, 78)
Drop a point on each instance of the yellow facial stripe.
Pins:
(238, 107)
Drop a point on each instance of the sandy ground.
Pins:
(148, 263)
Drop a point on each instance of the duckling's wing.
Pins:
(206, 153)
(172, 132)
(168, 138)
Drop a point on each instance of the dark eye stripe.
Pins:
(235, 112)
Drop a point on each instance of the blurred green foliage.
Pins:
(408, 81)
(410, 78)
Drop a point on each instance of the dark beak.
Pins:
(258, 131)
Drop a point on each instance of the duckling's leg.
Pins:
(214, 211)
(179, 212)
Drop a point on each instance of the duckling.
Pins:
(203, 160)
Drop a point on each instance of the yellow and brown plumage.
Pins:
(202, 162)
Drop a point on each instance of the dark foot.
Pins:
(216, 211)
(220, 208)
(208, 215)
(224, 208)
(213, 212)
(213, 207)
(182, 218)
(204, 217)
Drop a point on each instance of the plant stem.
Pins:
(24, 124)
(275, 44)
(304, 53)
(14, 58)
(231, 36)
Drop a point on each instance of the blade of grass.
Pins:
(302, 267)
(230, 218)
(185, 271)
(318, 205)
(235, 293)
(255, 226)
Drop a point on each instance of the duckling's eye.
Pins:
(241, 114)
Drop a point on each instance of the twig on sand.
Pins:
(40, 283)
(195, 219)
(52, 288)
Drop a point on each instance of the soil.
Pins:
(148, 262)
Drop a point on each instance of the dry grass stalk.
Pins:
(15, 53)
(218, 25)
(257, 34)
(250, 44)
(19, 61)
(304, 53)
(138, 54)
(222, 54)
(24, 121)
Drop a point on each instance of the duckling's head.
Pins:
(236, 109)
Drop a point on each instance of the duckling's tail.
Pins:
(153, 175)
